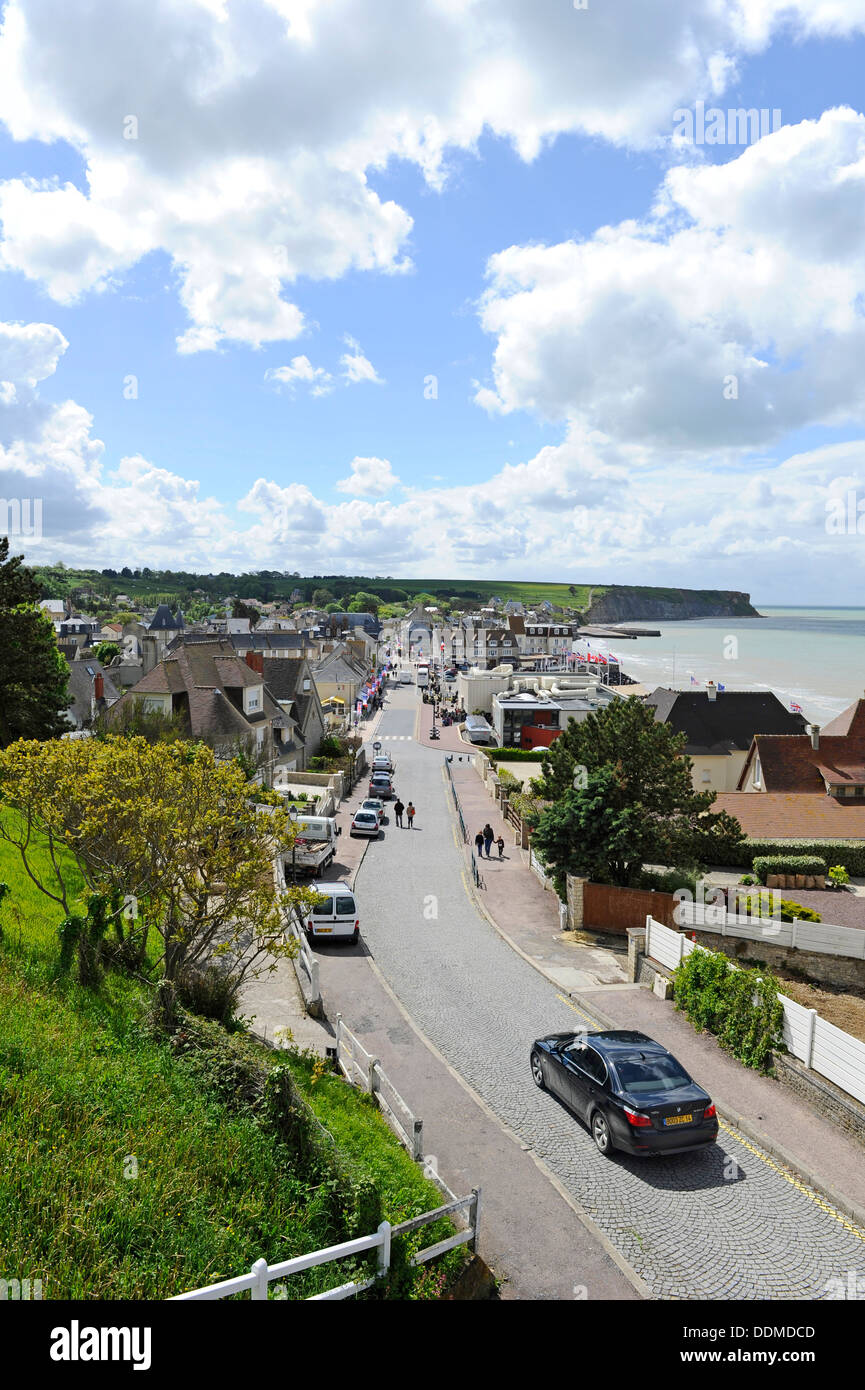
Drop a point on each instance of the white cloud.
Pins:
(752, 270)
(369, 477)
(357, 367)
(299, 371)
(257, 124)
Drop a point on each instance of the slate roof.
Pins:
(80, 687)
(794, 815)
(727, 723)
(164, 620)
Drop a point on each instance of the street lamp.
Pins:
(292, 811)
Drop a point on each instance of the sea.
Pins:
(814, 657)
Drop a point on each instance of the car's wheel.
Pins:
(310, 938)
(538, 1071)
(601, 1134)
(355, 937)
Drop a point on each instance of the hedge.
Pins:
(811, 864)
(850, 853)
(515, 755)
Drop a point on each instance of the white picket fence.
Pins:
(821, 937)
(362, 1069)
(262, 1274)
(820, 1045)
(306, 958)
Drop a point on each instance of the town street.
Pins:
(726, 1223)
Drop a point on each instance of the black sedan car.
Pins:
(631, 1091)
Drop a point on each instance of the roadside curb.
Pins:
(727, 1112)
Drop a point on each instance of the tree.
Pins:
(651, 811)
(333, 608)
(321, 597)
(364, 602)
(33, 674)
(106, 652)
(241, 610)
(169, 829)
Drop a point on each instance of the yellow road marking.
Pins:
(778, 1168)
(794, 1181)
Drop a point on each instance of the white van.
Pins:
(406, 677)
(336, 916)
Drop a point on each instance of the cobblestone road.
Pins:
(727, 1223)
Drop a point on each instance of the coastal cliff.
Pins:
(622, 603)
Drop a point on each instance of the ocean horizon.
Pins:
(813, 655)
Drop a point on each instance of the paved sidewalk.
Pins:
(513, 898)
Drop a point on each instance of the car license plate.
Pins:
(321, 931)
(678, 1119)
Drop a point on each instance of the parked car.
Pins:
(365, 823)
(451, 673)
(633, 1094)
(374, 803)
(383, 762)
(380, 785)
(335, 914)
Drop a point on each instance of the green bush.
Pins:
(741, 1007)
(848, 852)
(838, 875)
(767, 864)
(668, 880)
(759, 905)
(514, 755)
(508, 780)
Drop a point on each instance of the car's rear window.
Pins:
(324, 909)
(345, 907)
(644, 1074)
(365, 817)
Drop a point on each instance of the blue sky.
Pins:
(600, 473)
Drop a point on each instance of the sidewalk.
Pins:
(514, 900)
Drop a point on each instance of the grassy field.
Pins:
(128, 1172)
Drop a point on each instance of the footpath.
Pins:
(515, 902)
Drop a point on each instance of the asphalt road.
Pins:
(726, 1223)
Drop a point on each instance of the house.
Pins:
(532, 715)
(92, 690)
(719, 728)
(368, 621)
(806, 786)
(339, 677)
(291, 683)
(78, 629)
(222, 700)
(55, 608)
(828, 761)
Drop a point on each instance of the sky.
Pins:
(437, 288)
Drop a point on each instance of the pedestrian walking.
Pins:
(409, 811)
(479, 844)
(398, 810)
(501, 847)
(489, 836)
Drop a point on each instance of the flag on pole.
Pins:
(694, 680)
(721, 687)
(795, 707)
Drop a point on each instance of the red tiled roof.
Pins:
(790, 764)
(793, 815)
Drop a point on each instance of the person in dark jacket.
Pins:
(398, 810)
(489, 836)
(479, 844)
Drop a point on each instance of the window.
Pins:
(643, 1074)
(324, 909)
(593, 1064)
(345, 907)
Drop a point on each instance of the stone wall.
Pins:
(843, 1110)
(825, 969)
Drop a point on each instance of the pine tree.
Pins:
(33, 674)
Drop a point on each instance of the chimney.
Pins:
(711, 690)
(255, 661)
(815, 736)
(98, 686)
